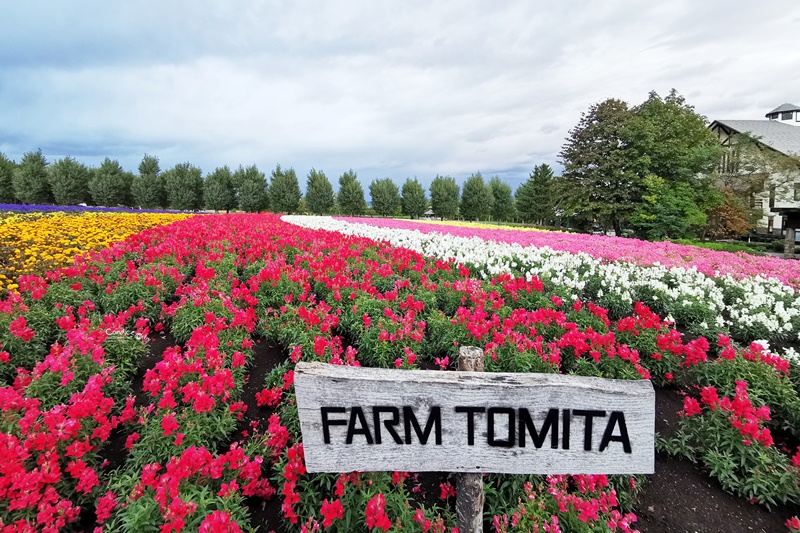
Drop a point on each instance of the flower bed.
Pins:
(220, 285)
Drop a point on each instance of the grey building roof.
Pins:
(784, 108)
(778, 136)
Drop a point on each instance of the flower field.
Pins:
(129, 404)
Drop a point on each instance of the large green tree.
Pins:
(284, 191)
(69, 181)
(535, 198)
(110, 185)
(184, 187)
(503, 203)
(668, 211)
(385, 197)
(476, 198)
(444, 197)
(218, 191)
(251, 189)
(319, 193)
(31, 181)
(414, 202)
(148, 186)
(351, 195)
(603, 170)
(7, 168)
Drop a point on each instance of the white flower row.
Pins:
(756, 307)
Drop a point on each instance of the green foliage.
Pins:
(30, 181)
(69, 181)
(148, 186)
(444, 197)
(7, 168)
(284, 191)
(414, 202)
(319, 193)
(534, 198)
(667, 211)
(110, 185)
(385, 197)
(218, 191)
(351, 195)
(251, 187)
(476, 198)
(502, 204)
(184, 187)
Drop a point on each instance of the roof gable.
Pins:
(780, 137)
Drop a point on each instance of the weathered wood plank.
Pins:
(556, 417)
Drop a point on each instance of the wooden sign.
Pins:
(370, 419)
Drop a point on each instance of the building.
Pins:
(767, 170)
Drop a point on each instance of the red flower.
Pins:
(169, 424)
(376, 513)
(330, 512)
(691, 406)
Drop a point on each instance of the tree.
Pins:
(351, 195)
(30, 181)
(667, 211)
(148, 186)
(69, 181)
(729, 218)
(603, 171)
(218, 191)
(444, 197)
(284, 192)
(7, 168)
(414, 202)
(476, 198)
(251, 187)
(534, 198)
(385, 197)
(319, 193)
(110, 185)
(503, 204)
(183, 184)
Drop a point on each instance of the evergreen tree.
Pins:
(444, 197)
(148, 186)
(351, 195)
(284, 191)
(110, 185)
(385, 197)
(69, 181)
(251, 189)
(319, 193)
(7, 168)
(184, 187)
(534, 198)
(218, 191)
(414, 201)
(476, 198)
(30, 181)
(503, 205)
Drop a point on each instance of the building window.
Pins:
(787, 115)
(770, 224)
(772, 197)
(797, 192)
(758, 204)
(773, 116)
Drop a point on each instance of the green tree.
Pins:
(30, 181)
(476, 198)
(184, 187)
(444, 197)
(110, 185)
(251, 189)
(7, 168)
(385, 197)
(218, 191)
(319, 193)
(351, 195)
(535, 198)
(503, 203)
(667, 211)
(414, 203)
(69, 181)
(284, 191)
(148, 186)
(603, 170)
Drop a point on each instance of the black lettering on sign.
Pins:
(434, 423)
(617, 418)
(508, 442)
(587, 428)
(388, 424)
(356, 413)
(470, 421)
(326, 423)
(550, 425)
(565, 430)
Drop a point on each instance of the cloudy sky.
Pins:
(389, 89)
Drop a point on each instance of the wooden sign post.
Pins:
(356, 419)
(469, 487)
